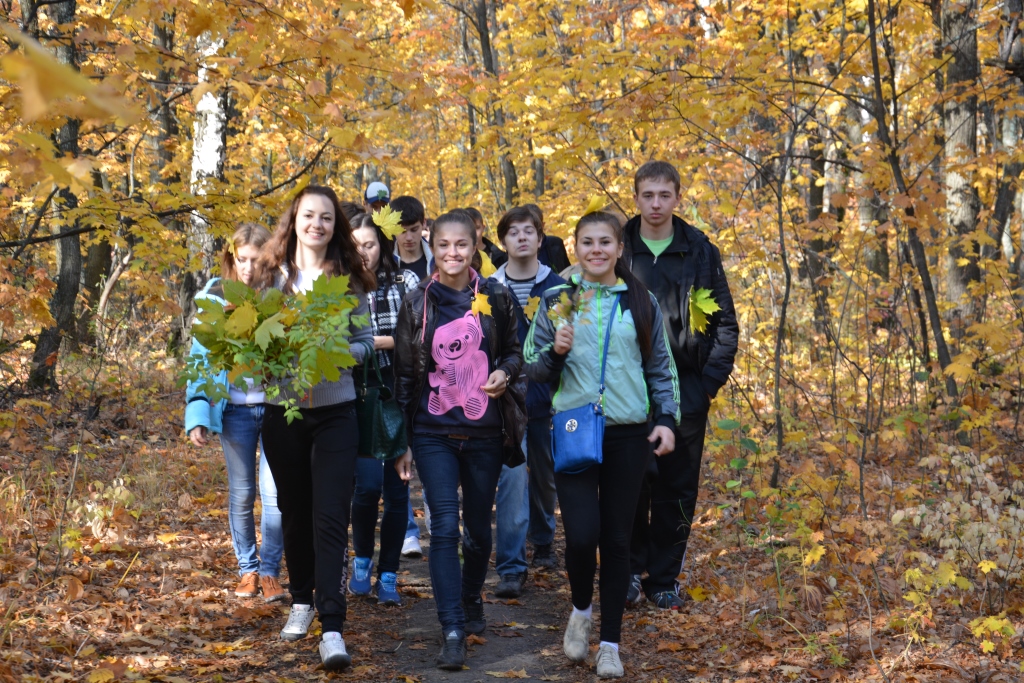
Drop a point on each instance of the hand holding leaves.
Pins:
(290, 342)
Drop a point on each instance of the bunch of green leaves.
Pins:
(702, 305)
(288, 344)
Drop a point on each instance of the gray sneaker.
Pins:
(333, 653)
(576, 641)
(299, 620)
(608, 663)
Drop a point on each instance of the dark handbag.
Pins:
(381, 423)
(577, 435)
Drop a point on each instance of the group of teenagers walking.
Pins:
(492, 356)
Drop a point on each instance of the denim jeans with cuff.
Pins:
(240, 439)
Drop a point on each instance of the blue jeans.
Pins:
(239, 440)
(543, 496)
(372, 478)
(443, 464)
(512, 510)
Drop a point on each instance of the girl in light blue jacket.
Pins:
(237, 419)
(604, 312)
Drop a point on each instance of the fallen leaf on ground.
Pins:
(511, 673)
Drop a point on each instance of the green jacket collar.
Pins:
(577, 281)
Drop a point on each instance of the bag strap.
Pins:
(604, 354)
(400, 282)
(370, 356)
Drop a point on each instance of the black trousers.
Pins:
(597, 512)
(664, 513)
(313, 463)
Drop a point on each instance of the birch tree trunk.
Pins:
(209, 147)
(960, 127)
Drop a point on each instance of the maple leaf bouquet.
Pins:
(287, 343)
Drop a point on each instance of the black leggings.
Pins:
(313, 463)
(597, 511)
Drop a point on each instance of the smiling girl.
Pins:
(457, 362)
(639, 388)
(313, 459)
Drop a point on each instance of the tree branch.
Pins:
(47, 238)
(38, 221)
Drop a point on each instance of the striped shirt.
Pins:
(521, 288)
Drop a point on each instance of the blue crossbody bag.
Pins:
(577, 435)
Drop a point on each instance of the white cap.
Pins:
(377, 192)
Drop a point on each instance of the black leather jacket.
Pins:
(412, 356)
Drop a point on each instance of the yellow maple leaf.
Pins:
(596, 204)
(481, 304)
(530, 309)
(389, 221)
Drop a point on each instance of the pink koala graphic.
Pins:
(461, 368)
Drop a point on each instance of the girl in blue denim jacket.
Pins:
(237, 419)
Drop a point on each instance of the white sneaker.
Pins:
(299, 620)
(332, 652)
(411, 547)
(576, 641)
(608, 663)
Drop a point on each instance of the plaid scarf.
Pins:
(385, 303)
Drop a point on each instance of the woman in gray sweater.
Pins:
(313, 459)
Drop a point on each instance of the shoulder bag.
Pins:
(577, 435)
(381, 423)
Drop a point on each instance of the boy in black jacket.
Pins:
(674, 260)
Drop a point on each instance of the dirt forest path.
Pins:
(189, 625)
(522, 640)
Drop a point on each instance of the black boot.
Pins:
(544, 557)
(473, 609)
(453, 651)
(511, 585)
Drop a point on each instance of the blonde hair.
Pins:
(247, 234)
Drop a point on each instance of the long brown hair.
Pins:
(386, 264)
(246, 235)
(342, 257)
(638, 297)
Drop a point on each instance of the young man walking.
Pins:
(675, 259)
(516, 501)
(413, 252)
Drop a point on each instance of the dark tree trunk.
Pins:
(69, 249)
(815, 249)
(97, 266)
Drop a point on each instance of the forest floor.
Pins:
(144, 588)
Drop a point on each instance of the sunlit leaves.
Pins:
(481, 304)
(702, 305)
(45, 83)
(389, 221)
(531, 306)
